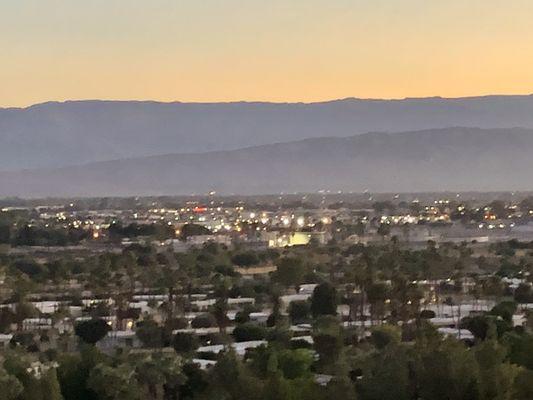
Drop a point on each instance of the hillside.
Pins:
(76, 132)
(427, 160)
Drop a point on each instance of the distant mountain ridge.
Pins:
(59, 134)
(461, 159)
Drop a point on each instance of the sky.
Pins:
(269, 50)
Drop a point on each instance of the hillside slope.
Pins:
(430, 160)
(60, 134)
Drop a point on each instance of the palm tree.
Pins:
(220, 310)
(377, 295)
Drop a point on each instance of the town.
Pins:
(288, 296)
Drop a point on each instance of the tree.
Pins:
(523, 386)
(427, 314)
(245, 259)
(377, 294)
(520, 349)
(290, 272)
(242, 316)
(38, 379)
(73, 373)
(7, 317)
(11, 386)
(328, 339)
(447, 370)
(295, 364)
(160, 375)
(195, 383)
(505, 310)
(496, 376)
(185, 343)
(339, 387)
(114, 383)
(92, 331)
(150, 333)
(220, 310)
(24, 310)
(229, 379)
(386, 376)
(385, 335)
(523, 294)
(383, 230)
(249, 331)
(203, 321)
(50, 386)
(299, 311)
(194, 230)
(324, 300)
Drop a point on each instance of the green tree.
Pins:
(246, 259)
(185, 343)
(220, 311)
(50, 386)
(299, 311)
(160, 375)
(505, 310)
(386, 376)
(447, 370)
(11, 386)
(290, 272)
(384, 335)
(111, 383)
(249, 331)
(377, 294)
(229, 379)
(523, 385)
(324, 300)
(92, 331)
(520, 349)
(496, 376)
(328, 340)
(73, 373)
(150, 333)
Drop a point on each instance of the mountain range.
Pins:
(52, 135)
(457, 158)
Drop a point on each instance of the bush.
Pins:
(427, 314)
(150, 333)
(177, 323)
(185, 343)
(505, 310)
(383, 335)
(92, 331)
(203, 321)
(299, 311)
(249, 331)
(242, 317)
(245, 259)
(324, 300)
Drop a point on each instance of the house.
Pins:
(5, 339)
(240, 347)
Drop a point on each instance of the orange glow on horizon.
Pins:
(270, 51)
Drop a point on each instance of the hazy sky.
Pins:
(299, 50)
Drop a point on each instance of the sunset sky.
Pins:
(300, 50)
